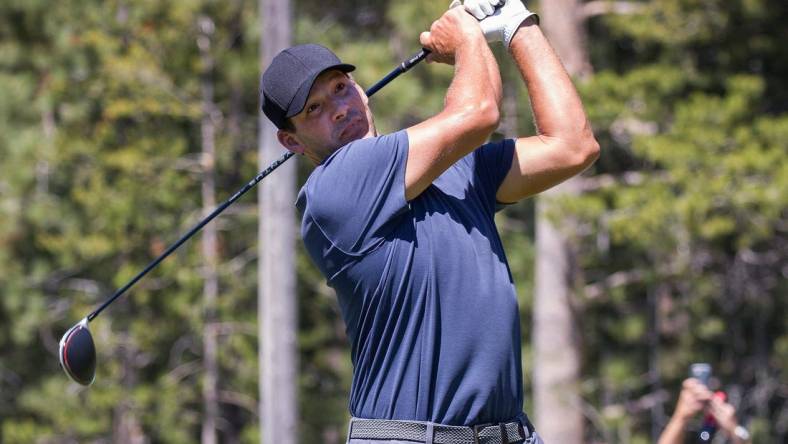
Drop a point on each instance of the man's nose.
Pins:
(340, 110)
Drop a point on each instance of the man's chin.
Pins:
(353, 133)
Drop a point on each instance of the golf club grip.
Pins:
(403, 67)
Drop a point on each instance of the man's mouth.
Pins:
(350, 128)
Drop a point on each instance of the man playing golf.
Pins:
(402, 224)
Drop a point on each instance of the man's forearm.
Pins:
(476, 79)
(471, 111)
(673, 433)
(472, 106)
(557, 108)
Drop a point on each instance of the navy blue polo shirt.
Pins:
(423, 286)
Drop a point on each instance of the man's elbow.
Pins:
(475, 122)
(485, 117)
(591, 150)
(582, 151)
(585, 149)
(490, 116)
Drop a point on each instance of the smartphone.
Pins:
(701, 371)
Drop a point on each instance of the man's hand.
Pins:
(499, 19)
(447, 35)
(725, 415)
(693, 398)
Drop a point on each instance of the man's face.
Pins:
(335, 114)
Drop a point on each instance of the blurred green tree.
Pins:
(680, 234)
(683, 241)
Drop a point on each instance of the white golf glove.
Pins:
(478, 8)
(499, 19)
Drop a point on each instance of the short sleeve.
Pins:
(357, 194)
(492, 162)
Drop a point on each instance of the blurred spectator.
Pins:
(696, 398)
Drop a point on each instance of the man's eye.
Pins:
(340, 86)
(312, 108)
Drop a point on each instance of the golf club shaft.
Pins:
(403, 67)
(192, 232)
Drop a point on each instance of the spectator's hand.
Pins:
(724, 414)
(693, 399)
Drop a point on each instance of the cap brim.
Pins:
(299, 100)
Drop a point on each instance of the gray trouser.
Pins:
(533, 439)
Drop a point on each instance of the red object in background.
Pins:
(709, 423)
(709, 420)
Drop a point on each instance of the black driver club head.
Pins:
(78, 354)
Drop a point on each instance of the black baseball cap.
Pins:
(286, 83)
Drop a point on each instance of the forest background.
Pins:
(121, 121)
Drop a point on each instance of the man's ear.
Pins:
(290, 141)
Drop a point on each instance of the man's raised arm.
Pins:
(471, 112)
(564, 145)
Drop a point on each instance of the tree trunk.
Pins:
(126, 424)
(656, 410)
(565, 27)
(209, 245)
(556, 378)
(276, 289)
(557, 407)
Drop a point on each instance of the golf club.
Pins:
(77, 351)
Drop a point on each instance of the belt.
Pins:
(503, 433)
